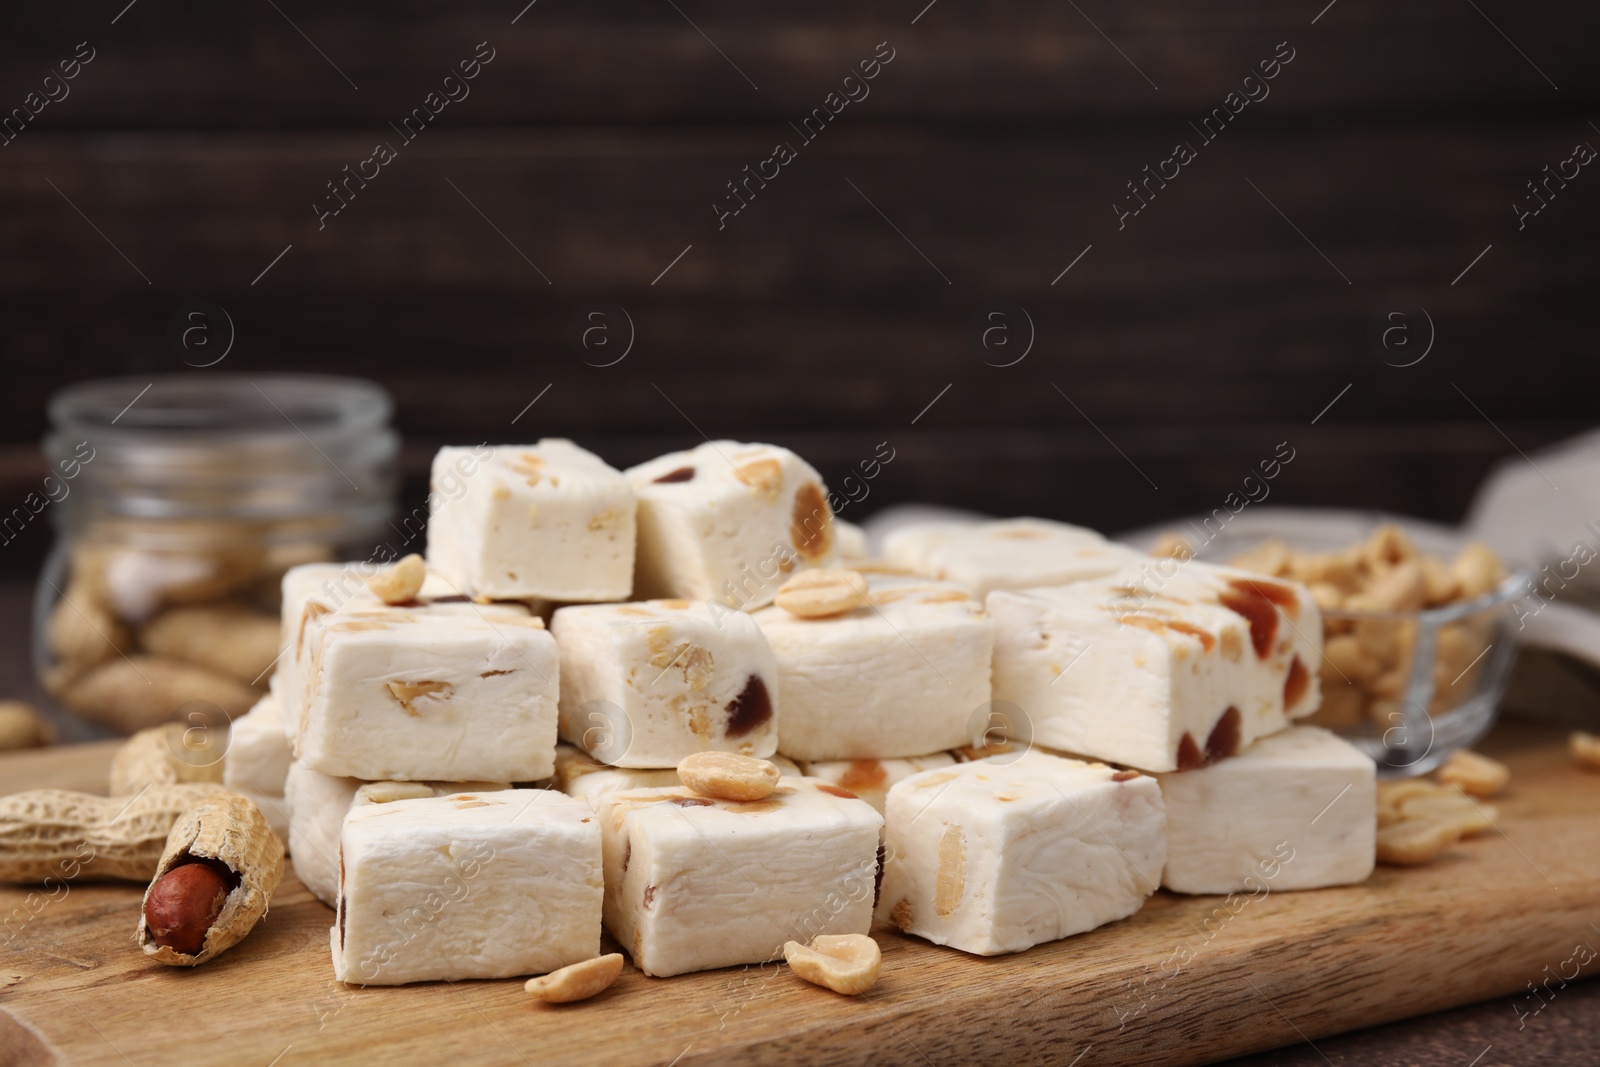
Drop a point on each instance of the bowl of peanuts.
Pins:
(1418, 638)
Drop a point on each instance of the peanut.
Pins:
(1585, 748)
(1477, 570)
(231, 640)
(1452, 806)
(183, 922)
(1271, 557)
(1478, 775)
(1412, 842)
(399, 583)
(129, 694)
(166, 755)
(1174, 545)
(817, 594)
(578, 981)
(728, 775)
(844, 963)
(82, 632)
(184, 903)
(765, 476)
(21, 726)
(56, 833)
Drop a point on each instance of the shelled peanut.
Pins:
(1419, 820)
(1367, 662)
(142, 636)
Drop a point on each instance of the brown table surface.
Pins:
(1487, 1034)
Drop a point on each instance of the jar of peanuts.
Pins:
(186, 499)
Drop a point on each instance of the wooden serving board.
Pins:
(1482, 922)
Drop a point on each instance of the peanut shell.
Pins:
(58, 833)
(131, 693)
(229, 829)
(166, 755)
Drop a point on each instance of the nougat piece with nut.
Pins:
(548, 521)
(728, 522)
(991, 857)
(1007, 553)
(648, 683)
(1296, 810)
(318, 804)
(694, 883)
(1161, 676)
(472, 885)
(414, 693)
(905, 675)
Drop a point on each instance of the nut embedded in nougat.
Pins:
(727, 521)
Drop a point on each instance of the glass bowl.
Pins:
(1406, 687)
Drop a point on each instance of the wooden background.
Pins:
(595, 142)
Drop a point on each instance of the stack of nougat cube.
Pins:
(1017, 733)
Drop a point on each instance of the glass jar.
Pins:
(179, 504)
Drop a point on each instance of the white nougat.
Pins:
(1160, 677)
(728, 522)
(490, 885)
(1297, 810)
(994, 857)
(646, 684)
(694, 883)
(317, 804)
(548, 521)
(257, 760)
(438, 689)
(907, 675)
(1006, 553)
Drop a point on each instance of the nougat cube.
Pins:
(258, 755)
(1007, 553)
(1296, 810)
(729, 522)
(694, 883)
(412, 692)
(1161, 678)
(316, 805)
(490, 885)
(579, 774)
(313, 590)
(906, 675)
(992, 857)
(548, 521)
(646, 684)
(871, 779)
